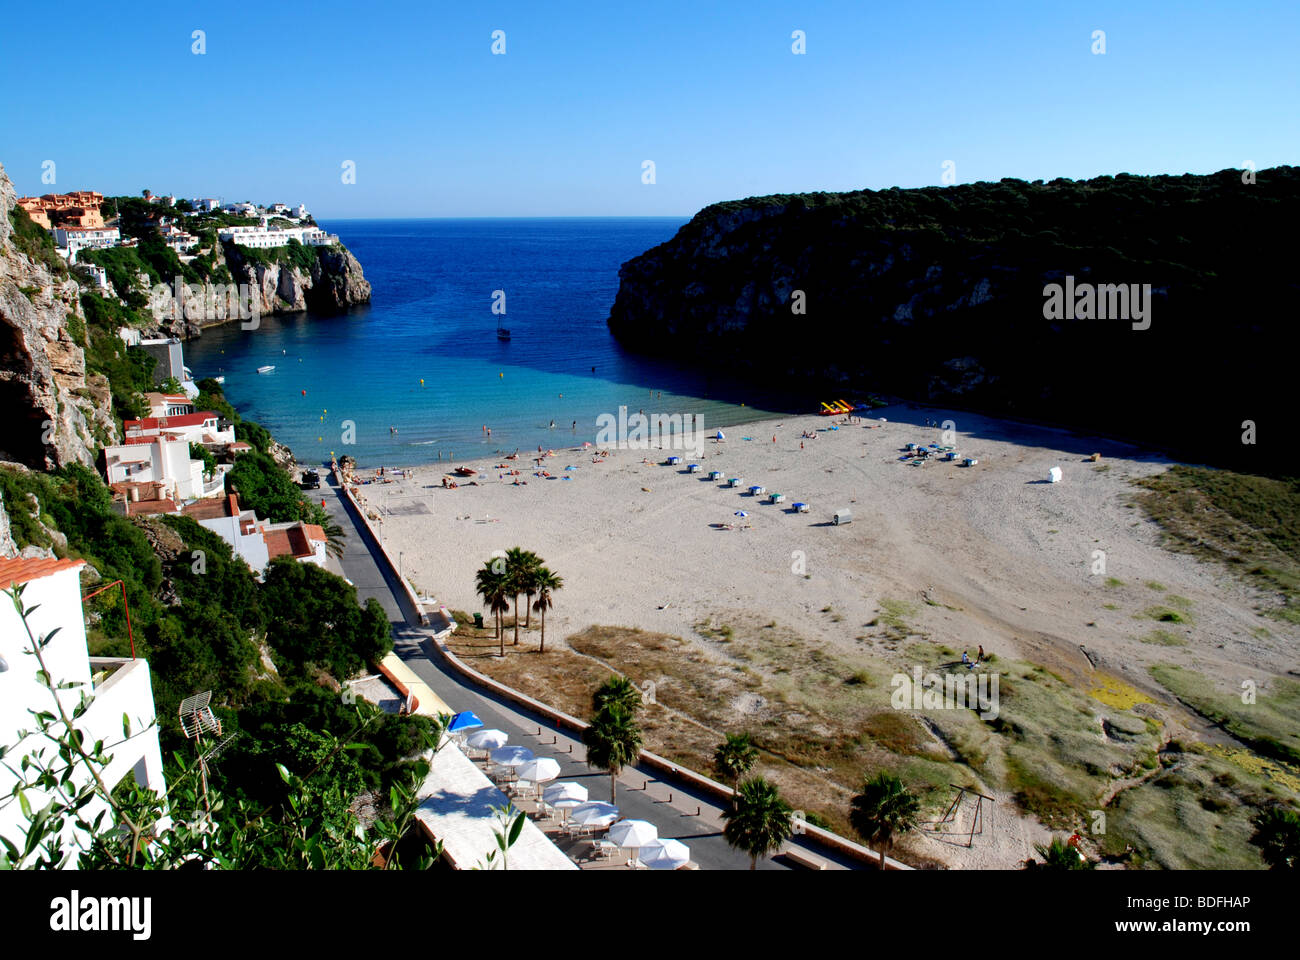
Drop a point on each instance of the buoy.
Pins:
(422, 381)
(320, 439)
(502, 374)
(304, 393)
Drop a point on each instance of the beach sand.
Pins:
(989, 555)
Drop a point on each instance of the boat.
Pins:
(267, 369)
(219, 379)
(465, 472)
(502, 332)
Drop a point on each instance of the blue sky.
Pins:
(561, 124)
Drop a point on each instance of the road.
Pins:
(678, 811)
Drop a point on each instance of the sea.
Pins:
(416, 375)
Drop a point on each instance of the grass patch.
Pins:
(1114, 582)
(1163, 638)
(1270, 725)
(1249, 523)
(1164, 615)
(1155, 585)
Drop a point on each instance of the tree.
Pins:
(199, 452)
(1277, 834)
(618, 690)
(520, 567)
(758, 820)
(170, 385)
(492, 585)
(883, 811)
(1061, 855)
(317, 620)
(334, 537)
(735, 757)
(613, 742)
(546, 583)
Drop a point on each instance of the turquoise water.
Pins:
(431, 319)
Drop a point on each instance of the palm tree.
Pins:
(758, 820)
(519, 566)
(1061, 855)
(613, 742)
(546, 584)
(528, 582)
(617, 690)
(334, 537)
(883, 811)
(494, 588)
(736, 757)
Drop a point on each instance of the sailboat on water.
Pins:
(502, 332)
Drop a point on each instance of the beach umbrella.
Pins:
(539, 770)
(594, 813)
(633, 834)
(487, 739)
(720, 436)
(741, 513)
(512, 756)
(664, 854)
(564, 795)
(465, 720)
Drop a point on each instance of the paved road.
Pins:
(679, 812)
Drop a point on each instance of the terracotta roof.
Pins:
(314, 532)
(166, 423)
(277, 543)
(21, 570)
(213, 507)
(151, 506)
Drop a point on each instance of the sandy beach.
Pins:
(989, 555)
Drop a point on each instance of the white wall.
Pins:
(127, 691)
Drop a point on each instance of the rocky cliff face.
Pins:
(939, 295)
(334, 282)
(52, 411)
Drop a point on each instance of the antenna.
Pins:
(197, 718)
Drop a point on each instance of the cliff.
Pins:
(284, 280)
(332, 281)
(938, 295)
(54, 412)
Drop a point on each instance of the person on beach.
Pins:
(575, 425)
(979, 657)
(552, 424)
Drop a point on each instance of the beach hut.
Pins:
(715, 474)
(1054, 475)
(800, 507)
(694, 467)
(776, 497)
(756, 491)
(735, 481)
(843, 516)
(950, 455)
(969, 462)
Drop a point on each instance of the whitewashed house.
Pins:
(121, 711)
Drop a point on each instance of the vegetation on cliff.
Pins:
(937, 294)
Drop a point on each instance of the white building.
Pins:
(169, 404)
(264, 237)
(257, 541)
(98, 274)
(204, 427)
(205, 204)
(300, 212)
(72, 239)
(157, 469)
(239, 528)
(121, 711)
(178, 239)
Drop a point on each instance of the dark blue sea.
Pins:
(423, 357)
